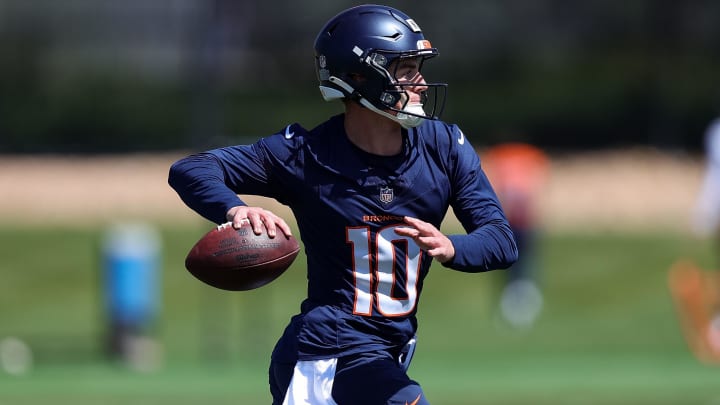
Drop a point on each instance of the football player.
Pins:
(369, 189)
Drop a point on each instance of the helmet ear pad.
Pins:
(375, 91)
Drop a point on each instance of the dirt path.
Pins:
(605, 190)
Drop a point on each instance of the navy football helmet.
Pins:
(355, 53)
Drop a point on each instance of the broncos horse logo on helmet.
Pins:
(355, 53)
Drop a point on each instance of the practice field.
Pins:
(608, 335)
(615, 223)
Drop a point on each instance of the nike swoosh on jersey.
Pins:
(415, 401)
(288, 134)
(461, 141)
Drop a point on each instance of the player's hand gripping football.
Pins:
(259, 218)
(428, 238)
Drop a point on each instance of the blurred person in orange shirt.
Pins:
(518, 173)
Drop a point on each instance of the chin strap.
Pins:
(407, 121)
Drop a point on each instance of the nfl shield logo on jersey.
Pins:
(386, 195)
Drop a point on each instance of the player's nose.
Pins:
(417, 89)
(419, 83)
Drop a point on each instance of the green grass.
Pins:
(608, 334)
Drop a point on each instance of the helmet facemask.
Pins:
(396, 96)
(378, 88)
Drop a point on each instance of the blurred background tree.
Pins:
(100, 76)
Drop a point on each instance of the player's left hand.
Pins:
(428, 238)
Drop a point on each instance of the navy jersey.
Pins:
(364, 280)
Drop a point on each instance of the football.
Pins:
(238, 259)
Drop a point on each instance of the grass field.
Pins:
(608, 335)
